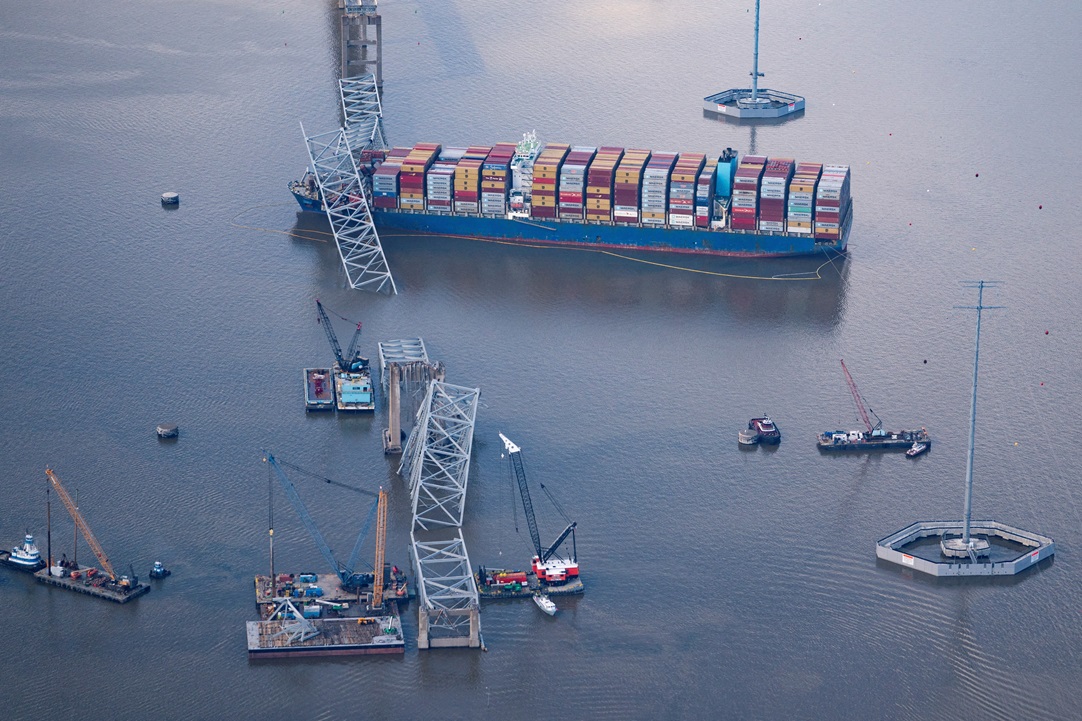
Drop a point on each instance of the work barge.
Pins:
(102, 583)
(95, 584)
(309, 614)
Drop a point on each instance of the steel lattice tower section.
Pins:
(363, 113)
(436, 463)
(436, 460)
(448, 615)
(346, 204)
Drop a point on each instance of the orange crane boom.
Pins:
(381, 544)
(81, 524)
(859, 400)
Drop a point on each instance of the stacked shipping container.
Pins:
(831, 201)
(682, 188)
(746, 192)
(411, 177)
(572, 188)
(467, 193)
(495, 179)
(613, 185)
(800, 211)
(773, 194)
(627, 184)
(385, 179)
(655, 188)
(599, 181)
(704, 194)
(546, 176)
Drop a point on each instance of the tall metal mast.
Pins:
(980, 285)
(755, 74)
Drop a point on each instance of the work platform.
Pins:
(327, 637)
(98, 585)
(1010, 550)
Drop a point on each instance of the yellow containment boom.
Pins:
(81, 524)
(381, 543)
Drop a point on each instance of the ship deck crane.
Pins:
(548, 566)
(861, 405)
(351, 360)
(345, 571)
(81, 524)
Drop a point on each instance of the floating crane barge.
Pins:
(329, 614)
(87, 580)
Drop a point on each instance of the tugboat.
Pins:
(159, 571)
(767, 430)
(25, 557)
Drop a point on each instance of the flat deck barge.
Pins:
(490, 592)
(330, 637)
(318, 389)
(353, 391)
(857, 441)
(97, 585)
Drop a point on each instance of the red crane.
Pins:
(859, 400)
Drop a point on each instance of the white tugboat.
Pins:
(26, 557)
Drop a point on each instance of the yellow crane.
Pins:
(81, 524)
(381, 547)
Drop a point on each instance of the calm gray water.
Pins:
(722, 584)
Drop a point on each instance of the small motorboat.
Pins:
(159, 571)
(916, 449)
(747, 437)
(545, 604)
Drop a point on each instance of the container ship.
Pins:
(607, 197)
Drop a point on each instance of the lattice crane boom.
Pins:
(331, 337)
(859, 400)
(381, 549)
(81, 524)
(515, 453)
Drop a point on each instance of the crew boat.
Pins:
(545, 604)
(26, 557)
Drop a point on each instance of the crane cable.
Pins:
(330, 481)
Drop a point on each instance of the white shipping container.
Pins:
(681, 220)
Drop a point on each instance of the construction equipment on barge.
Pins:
(553, 573)
(85, 579)
(352, 378)
(873, 438)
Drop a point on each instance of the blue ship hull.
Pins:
(606, 236)
(622, 237)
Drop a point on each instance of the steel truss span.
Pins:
(436, 459)
(445, 582)
(363, 113)
(346, 204)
